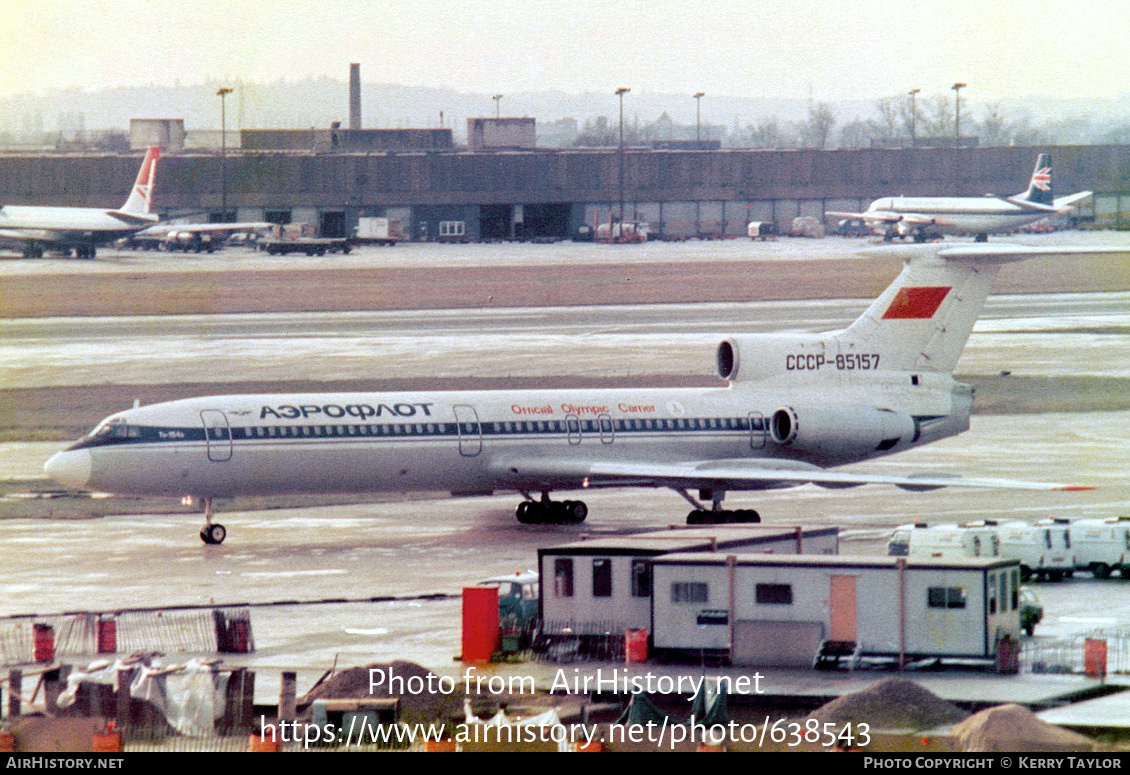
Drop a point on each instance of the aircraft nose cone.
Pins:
(71, 467)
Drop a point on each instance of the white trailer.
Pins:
(600, 586)
(918, 539)
(790, 611)
(378, 231)
(1102, 545)
(1043, 548)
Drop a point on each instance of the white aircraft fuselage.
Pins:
(955, 215)
(796, 407)
(473, 442)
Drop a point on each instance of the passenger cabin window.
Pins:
(602, 577)
(689, 592)
(563, 578)
(773, 594)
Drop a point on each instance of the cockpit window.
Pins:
(115, 429)
(109, 432)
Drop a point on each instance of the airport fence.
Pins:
(574, 641)
(1079, 654)
(44, 639)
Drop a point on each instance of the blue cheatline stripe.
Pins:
(516, 428)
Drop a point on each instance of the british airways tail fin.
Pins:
(1040, 185)
(141, 197)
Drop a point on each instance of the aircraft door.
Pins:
(758, 430)
(217, 433)
(573, 428)
(607, 428)
(469, 429)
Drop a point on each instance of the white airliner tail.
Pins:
(924, 318)
(141, 197)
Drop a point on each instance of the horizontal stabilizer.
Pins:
(1066, 201)
(132, 219)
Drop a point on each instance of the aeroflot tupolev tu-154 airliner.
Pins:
(796, 405)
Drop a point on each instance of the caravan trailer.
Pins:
(783, 611)
(1102, 546)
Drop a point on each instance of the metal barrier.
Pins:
(1069, 655)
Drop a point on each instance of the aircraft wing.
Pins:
(163, 229)
(883, 216)
(746, 474)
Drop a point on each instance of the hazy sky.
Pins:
(773, 48)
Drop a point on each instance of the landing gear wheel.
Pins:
(576, 511)
(547, 512)
(213, 534)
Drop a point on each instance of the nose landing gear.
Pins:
(213, 533)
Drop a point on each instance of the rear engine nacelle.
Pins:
(843, 431)
(759, 356)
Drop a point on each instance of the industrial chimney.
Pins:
(354, 96)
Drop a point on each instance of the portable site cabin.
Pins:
(782, 611)
(603, 586)
(1102, 545)
(918, 539)
(1043, 548)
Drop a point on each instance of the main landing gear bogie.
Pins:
(547, 512)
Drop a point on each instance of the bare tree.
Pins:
(818, 128)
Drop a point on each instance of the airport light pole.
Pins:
(913, 117)
(698, 117)
(957, 87)
(620, 93)
(223, 92)
(497, 105)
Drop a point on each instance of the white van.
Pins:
(1102, 545)
(1043, 549)
(919, 539)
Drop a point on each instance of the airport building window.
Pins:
(452, 228)
(602, 577)
(563, 578)
(689, 592)
(773, 594)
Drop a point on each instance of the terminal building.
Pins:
(438, 192)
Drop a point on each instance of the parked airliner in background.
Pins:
(930, 217)
(81, 229)
(796, 405)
